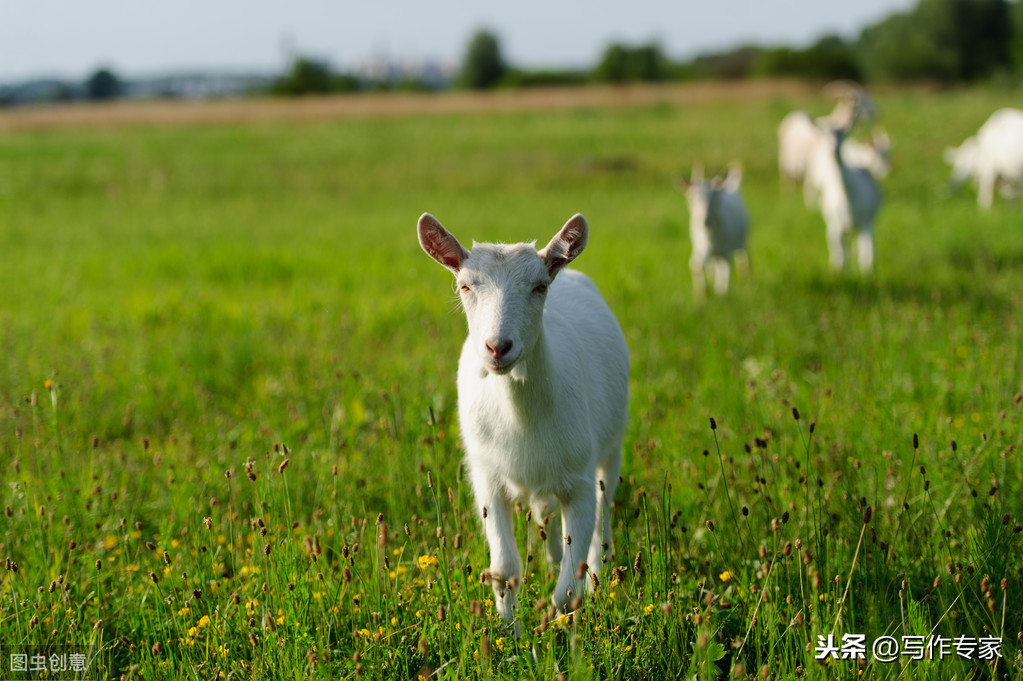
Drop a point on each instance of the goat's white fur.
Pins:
(850, 199)
(874, 157)
(718, 227)
(799, 137)
(543, 384)
(993, 157)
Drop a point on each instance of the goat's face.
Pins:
(965, 161)
(503, 287)
(503, 290)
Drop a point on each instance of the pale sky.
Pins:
(71, 38)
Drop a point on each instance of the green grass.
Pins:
(213, 301)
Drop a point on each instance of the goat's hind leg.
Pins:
(545, 514)
(602, 544)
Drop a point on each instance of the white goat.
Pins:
(543, 383)
(718, 227)
(799, 135)
(994, 157)
(849, 200)
(874, 157)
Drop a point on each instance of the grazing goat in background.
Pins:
(873, 157)
(718, 227)
(800, 135)
(994, 157)
(543, 384)
(849, 200)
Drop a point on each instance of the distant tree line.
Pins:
(944, 41)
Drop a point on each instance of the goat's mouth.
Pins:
(502, 366)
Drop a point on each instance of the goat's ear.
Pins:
(439, 244)
(881, 139)
(697, 174)
(683, 183)
(733, 180)
(566, 245)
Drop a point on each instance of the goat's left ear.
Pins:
(733, 180)
(566, 245)
(439, 244)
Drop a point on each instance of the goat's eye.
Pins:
(540, 288)
(465, 288)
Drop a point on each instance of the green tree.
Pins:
(483, 66)
(830, 58)
(306, 76)
(621, 64)
(614, 65)
(1017, 36)
(103, 84)
(945, 40)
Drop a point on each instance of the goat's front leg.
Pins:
(836, 245)
(578, 512)
(986, 180)
(721, 274)
(696, 267)
(505, 563)
(865, 248)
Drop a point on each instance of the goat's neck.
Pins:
(843, 169)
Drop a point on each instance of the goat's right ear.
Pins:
(733, 180)
(566, 245)
(439, 244)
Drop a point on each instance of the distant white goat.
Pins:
(543, 385)
(849, 200)
(874, 157)
(799, 135)
(718, 227)
(994, 157)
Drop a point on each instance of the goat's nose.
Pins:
(499, 347)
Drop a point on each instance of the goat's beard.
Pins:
(517, 373)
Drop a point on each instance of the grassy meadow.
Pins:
(228, 435)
